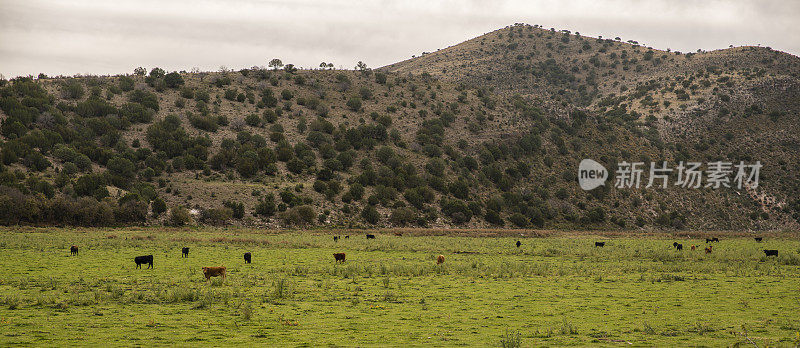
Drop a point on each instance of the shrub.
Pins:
(179, 216)
(173, 80)
(237, 208)
(300, 215)
(253, 120)
(354, 103)
(370, 214)
(73, 89)
(136, 113)
(216, 216)
(266, 206)
(131, 211)
(158, 206)
(493, 218)
(148, 99)
(519, 220)
(403, 216)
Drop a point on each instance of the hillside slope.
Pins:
(487, 133)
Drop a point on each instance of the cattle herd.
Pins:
(709, 249)
(210, 272)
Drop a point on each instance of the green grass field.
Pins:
(551, 291)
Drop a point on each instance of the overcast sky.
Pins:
(109, 37)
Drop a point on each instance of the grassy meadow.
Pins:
(556, 290)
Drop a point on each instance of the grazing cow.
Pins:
(214, 272)
(709, 249)
(370, 236)
(335, 238)
(758, 239)
(399, 234)
(247, 257)
(185, 252)
(148, 259)
(73, 250)
(519, 244)
(679, 246)
(346, 237)
(771, 252)
(339, 257)
(694, 247)
(440, 259)
(600, 244)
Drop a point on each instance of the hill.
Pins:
(484, 134)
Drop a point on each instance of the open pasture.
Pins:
(390, 290)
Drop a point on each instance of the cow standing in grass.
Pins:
(140, 260)
(335, 238)
(185, 252)
(339, 257)
(758, 239)
(209, 272)
(247, 257)
(771, 252)
(519, 244)
(370, 236)
(440, 259)
(600, 244)
(73, 251)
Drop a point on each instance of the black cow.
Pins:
(519, 244)
(247, 257)
(771, 252)
(715, 239)
(148, 259)
(678, 246)
(335, 238)
(346, 237)
(600, 244)
(758, 239)
(73, 250)
(370, 236)
(185, 252)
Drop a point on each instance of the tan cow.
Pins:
(440, 260)
(214, 272)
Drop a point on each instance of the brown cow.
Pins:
(339, 257)
(214, 272)
(694, 247)
(440, 260)
(709, 249)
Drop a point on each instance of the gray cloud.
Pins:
(107, 37)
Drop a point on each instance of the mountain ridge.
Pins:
(484, 134)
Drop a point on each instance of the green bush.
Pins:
(300, 215)
(173, 80)
(370, 215)
(216, 216)
(73, 89)
(354, 103)
(179, 216)
(519, 220)
(266, 206)
(158, 206)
